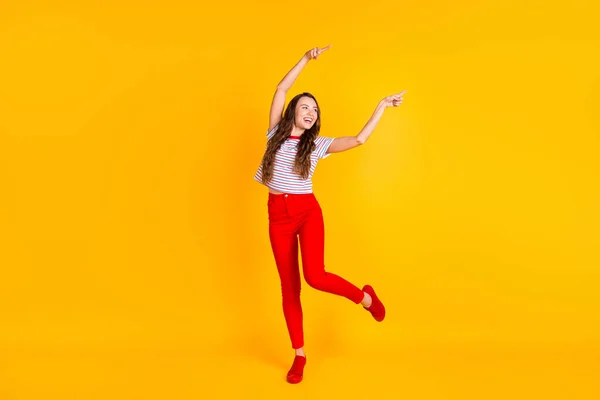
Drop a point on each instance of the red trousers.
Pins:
(293, 216)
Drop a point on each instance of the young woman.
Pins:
(293, 149)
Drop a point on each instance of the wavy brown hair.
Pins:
(306, 144)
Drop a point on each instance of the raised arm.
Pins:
(349, 142)
(286, 83)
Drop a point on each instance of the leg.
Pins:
(285, 249)
(312, 245)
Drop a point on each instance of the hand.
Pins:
(316, 52)
(394, 100)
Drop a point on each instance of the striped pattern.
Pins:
(284, 179)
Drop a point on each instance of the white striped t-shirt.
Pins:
(284, 178)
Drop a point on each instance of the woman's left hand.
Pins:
(394, 100)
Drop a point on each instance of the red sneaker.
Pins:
(377, 309)
(295, 373)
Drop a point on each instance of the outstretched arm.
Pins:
(349, 142)
(286, 83)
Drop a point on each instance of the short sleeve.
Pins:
(272, 131)
(323, 144)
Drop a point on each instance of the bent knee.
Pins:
(316, 281)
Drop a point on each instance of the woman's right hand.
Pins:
(394, 100)
(315, 53)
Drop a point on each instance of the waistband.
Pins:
(288, 195)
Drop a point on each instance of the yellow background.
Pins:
(134, 244)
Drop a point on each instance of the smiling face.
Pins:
(307, 113)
